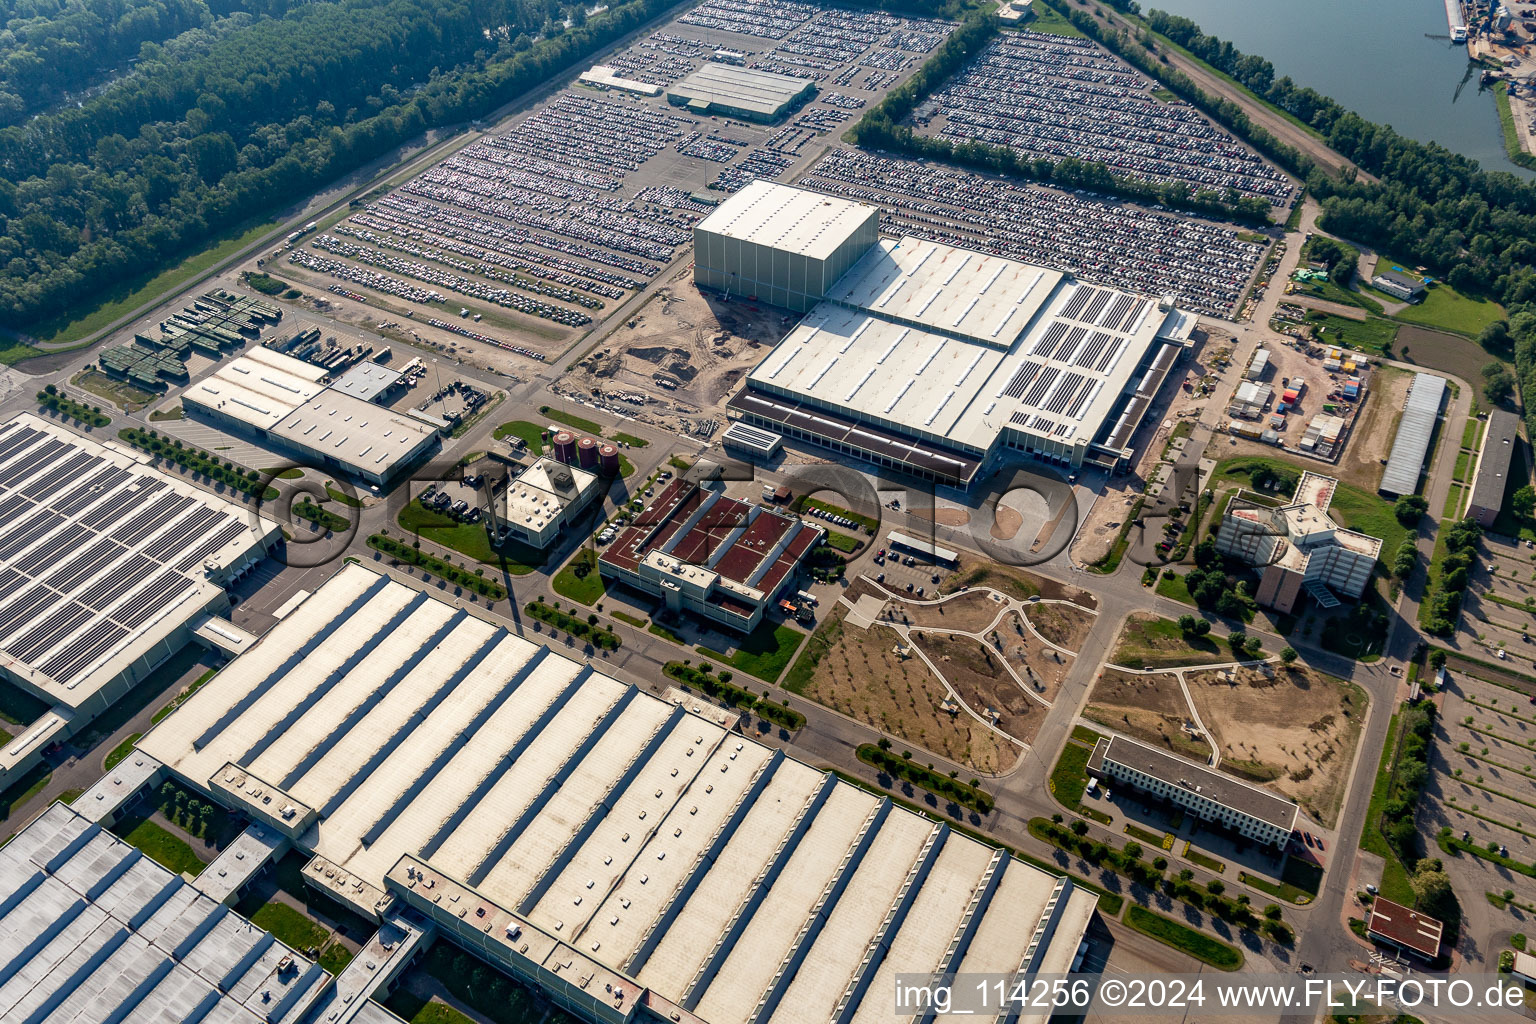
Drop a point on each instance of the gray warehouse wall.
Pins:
(779, 277)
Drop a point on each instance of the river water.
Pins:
(1391, 61)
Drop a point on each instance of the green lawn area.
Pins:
(335, 957)
(290, 926)
(1209, 863)
(1070, 776)
(1330, 292)
(183, 695)
(865, 521)
(1472, 436)
(291, 473)
(1448, 310)
(121, 751)
(417, 1012)
(1394, 877)
(1298, 884)
(824, 639)
(469, 539)
(24, 789)
(485, 990)
(633, 620)
(1512, 145)
(570, 419)
(630, 439)
(585, 589)
(346, 499)
(762, 653)
(842, 542)
(657, 629)
(133, 293)
(1048, 20)
(13, 353)
(159, 845)
(1182, 937)
(1463, 461)
(1173, 587)
(531, 433)
(1168, 96)
(1372, 334)
(1159, 643)
(19, 707)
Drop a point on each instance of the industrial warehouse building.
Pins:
(708, 554)
(1494, 458)
(781, 245)
(282, 401)
(107, 565)
(745, 93)
(1248, 810)
(1410, 447)
(1297, 546)
(632, 859)
(93, 929)
(928, 358)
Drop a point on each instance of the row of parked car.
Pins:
(836, 520)
(441, 501)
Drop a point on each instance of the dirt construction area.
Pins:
(1061, 624)
(863, 677)
(1292, 729)
(682, 352)
(966, 613)
(1150, 708)
(983, 683)
(1209, 362)
(1038, 665)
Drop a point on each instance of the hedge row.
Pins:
(604, 638)
(721, 688)
(438, 567)
(186, 456)
(921, 775)
(91, 416)
(307, 509)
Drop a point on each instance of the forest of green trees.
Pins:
(196, 140)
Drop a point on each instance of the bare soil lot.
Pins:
(974, 571)
(862, 677)
(966, 613)
(983, 683)
(1061, 624)
(1150, 641)
(1292, 729)
(1039, 665)
(1150, 708)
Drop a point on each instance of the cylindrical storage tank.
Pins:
(608, 459)
(586, 453)
(565, 447)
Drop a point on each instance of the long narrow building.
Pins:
(629, 857)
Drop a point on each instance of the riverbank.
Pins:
(1515, 118)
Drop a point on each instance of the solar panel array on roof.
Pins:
(92, 929)
(95, 546)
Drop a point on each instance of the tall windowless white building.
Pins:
(782, 245)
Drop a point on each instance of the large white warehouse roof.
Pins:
(783, 217)
(595, 828)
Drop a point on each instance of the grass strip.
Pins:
(903, 767)
(437, 567)
(1180, 936)
(601, 636)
